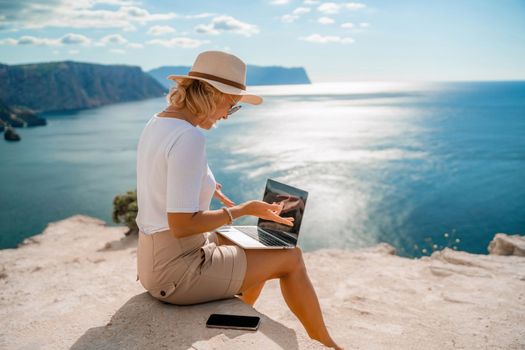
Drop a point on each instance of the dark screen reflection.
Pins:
(294, 202)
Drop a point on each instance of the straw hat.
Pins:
(223, 71)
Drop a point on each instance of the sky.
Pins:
(333, 40)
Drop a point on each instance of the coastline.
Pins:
(74, 286)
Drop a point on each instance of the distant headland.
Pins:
(30, 89)
(255, 75)
(68, 85)
(27, 90)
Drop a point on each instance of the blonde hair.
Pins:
(199, 97)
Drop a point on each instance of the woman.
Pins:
(180, 260)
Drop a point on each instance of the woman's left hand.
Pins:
(222, 197)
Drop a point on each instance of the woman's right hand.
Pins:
(267, 211)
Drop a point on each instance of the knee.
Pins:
(296, 261)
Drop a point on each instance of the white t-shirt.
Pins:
(172, 172)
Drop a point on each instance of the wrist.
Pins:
(229, 215)
(238, 210)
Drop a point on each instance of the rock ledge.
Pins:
(73, 286)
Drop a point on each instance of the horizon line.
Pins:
(451, 80)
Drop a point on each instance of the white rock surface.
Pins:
(503, 244)
(73, 286)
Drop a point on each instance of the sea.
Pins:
(420, 166)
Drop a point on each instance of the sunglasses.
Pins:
(234, 108)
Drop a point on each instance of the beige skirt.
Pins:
(189, 270)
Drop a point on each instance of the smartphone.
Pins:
(250, 323)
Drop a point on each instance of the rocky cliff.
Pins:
(68, 85)
(74, 287)
(18, 117)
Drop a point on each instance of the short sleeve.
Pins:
(186, 163)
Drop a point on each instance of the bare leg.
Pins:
(296, 287)
(300, 296)
(250, 295)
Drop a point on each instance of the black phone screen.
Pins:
(233, 321)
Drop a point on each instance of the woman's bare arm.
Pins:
(187, 224)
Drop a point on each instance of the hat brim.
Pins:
(228, 89)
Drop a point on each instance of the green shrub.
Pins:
(125, 210)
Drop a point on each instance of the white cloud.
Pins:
(31, 40)
(279, 2)
(329, 8)
(22, 14)
(289, 18)
(354, 5)
(333, 8)
(180, 42)
(68, 39)
(200, 15)
(227, 24)
(311, 2)
(117, 39)
(143, 16)
(326, 20)
(73, 52)
(206, 29)
(8, 41)
(320, 39)
(134, 11)
(161, 30)
(294, 16)
(72, 38)
(357, 27)
(301, 10)
(113, 39)
(118, 51)
(89, 3)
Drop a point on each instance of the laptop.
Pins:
(270, 234)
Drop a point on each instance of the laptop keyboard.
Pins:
(261, 236)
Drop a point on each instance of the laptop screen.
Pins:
(294, 203)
